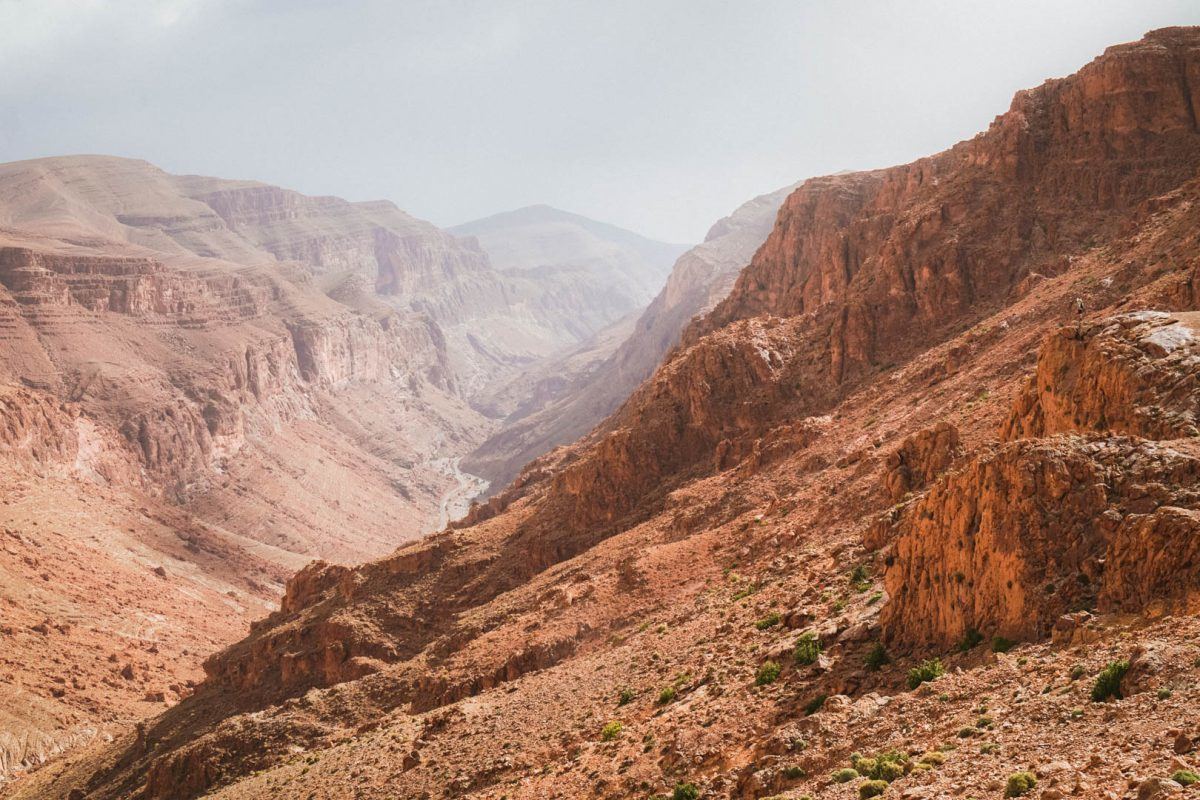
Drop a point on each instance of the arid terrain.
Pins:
(205, 384)
(912, 511)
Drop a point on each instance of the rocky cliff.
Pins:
(855, 478)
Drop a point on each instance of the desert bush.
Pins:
(769, 621)
(1185, 777)
(1019, 783)
(767, 673)
(969, 641)
(814, 705)
(844, 775)
(1108, 682)
(871, 789)
(877, 656)
(685, 791)
(1002, 645)
(610, 731)
(808, 648)
(929, 670)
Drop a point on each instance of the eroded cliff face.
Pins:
(1134, 374)
(810, 497)
(1037, 529)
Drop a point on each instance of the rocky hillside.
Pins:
(205, 384)
(568, 396)
(891, 521)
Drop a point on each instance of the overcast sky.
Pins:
(658, 115)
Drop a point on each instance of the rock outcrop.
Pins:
(1023, 534)
(1134, 374)
(920, 458)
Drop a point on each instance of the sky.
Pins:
(657, 115)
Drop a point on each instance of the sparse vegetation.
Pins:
(685, 791)
(626, 696)
(1185, 777)
(972, 638)
(611, 731)
(767, 673)
(934, 758)
(844, 775)
(877, 657)
(871, 789)
(1002, 645)
(808, 648)
(1077, 672)
(1163, 694)
(814, 705)
(793, 772)
(1108, 682)
(860, 578)
(886, 766)
(1019, 783)
(926, 671)
(769, 621)
(667, 695)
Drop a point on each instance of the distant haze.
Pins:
(657, 115)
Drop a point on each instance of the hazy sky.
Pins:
(658, 115)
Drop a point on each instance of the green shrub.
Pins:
(877, 656)
(1108, 682)
(814, 705)
(1163, 694)
(1077, 672)
(860, 577)
(1019, 783)
(929, 670)
(871, 789)
(794, 772)
(844, 775)
(886, 766)
(969, 641)
(767, 673)
(666, 695)
(610, 731)
(769, 621)
(1185, 777)
(934, 758)
(626, 696)
(685, 791)
(808, 648)
(1002, 645)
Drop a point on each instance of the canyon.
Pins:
(906, 505)
(207, 383)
